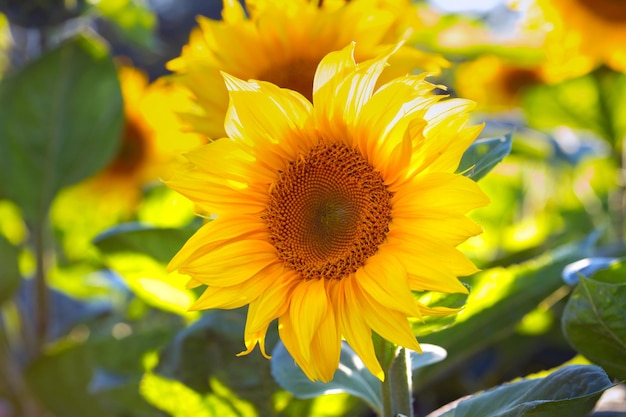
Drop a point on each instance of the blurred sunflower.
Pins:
(580, 35)
(152, 137)
(328, 215)
(496, 84)
(282, 42)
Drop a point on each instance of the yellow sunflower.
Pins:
(328, 215)
(282, 41)
(496, 84)
(152, 137)
(581, 35)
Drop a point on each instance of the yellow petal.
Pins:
(215, 234)
(354, 328)
(309, 306)
(242, 259)
(437, 195)
(272, 302)
(384, 278)
(390, 324)
(248, 292)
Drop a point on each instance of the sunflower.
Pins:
(152, 136)
(496, 83)
(282, 41)
(581, 35)
(328, 215)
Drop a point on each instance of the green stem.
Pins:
(41, 296)
(401, 386)
(397, 387)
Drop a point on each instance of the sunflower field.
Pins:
(303, 208)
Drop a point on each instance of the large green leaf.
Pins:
(498, 300)
(206, 351)
(351, 377)
(60, 123)
(571, 391)
(594, 321)
(9, 273)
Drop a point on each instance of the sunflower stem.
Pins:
(397, 387)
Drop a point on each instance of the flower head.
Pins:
(496, 83)
(580, 35)
(152, 136)
(328, 215)
(283, 41)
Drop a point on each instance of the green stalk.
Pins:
(397, 386)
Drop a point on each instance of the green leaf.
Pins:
(570, 391)
(483, 155)
(593, 319)
(9, 273)
(207, 350)
(159, 243)
(498, 300)
(430, 354)
(60, 123)
(179, 400)
(352, 377)
(138, 253)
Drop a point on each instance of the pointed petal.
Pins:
(389, 324)
(231, 264)
(354, 328)
(215, 234)
(437, 195)
(309, 306)
(384, 278)
(237, 296)
(273, 302)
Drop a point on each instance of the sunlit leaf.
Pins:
(430, 354)
(499, 298)
(352, 377)
(179, 400)
(570, 391)
(207, 349)
(594, 321)
(60, 123)
(159, 243)
(139, 253)
(9, 273)
(483, 155)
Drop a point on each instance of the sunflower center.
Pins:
(132, 151)
(295, 75)
(328, 212)
(610, 10)
(515, 80)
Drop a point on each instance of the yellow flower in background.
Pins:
(580, 35)
(328, 215)
(152, 136)
(496, 84)
(282, 42)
